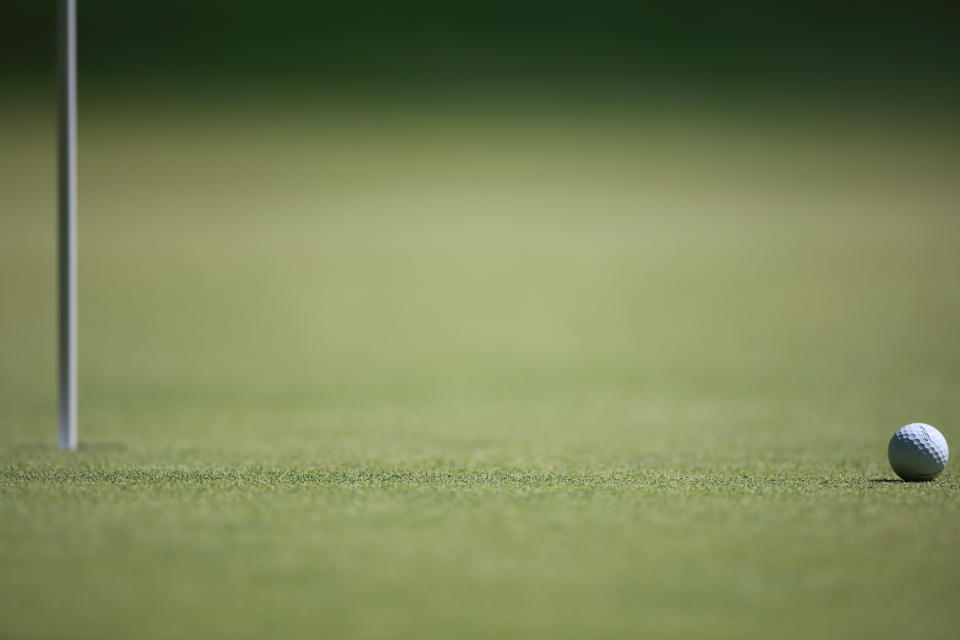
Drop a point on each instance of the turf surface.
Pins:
(358, 377)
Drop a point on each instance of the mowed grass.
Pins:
(365, 375)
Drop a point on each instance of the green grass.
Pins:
(358, 377)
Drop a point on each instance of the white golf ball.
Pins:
(918, 452)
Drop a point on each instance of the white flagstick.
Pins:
(67, 248)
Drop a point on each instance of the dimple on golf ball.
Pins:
(918, 452)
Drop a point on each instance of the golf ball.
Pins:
(918, 452)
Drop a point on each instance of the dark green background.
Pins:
(900, 49)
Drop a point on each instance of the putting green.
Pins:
(576, 375)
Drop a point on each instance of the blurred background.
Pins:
(597, 51)
(305, 202)
(312, 206)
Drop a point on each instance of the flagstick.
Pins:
(67, 245)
